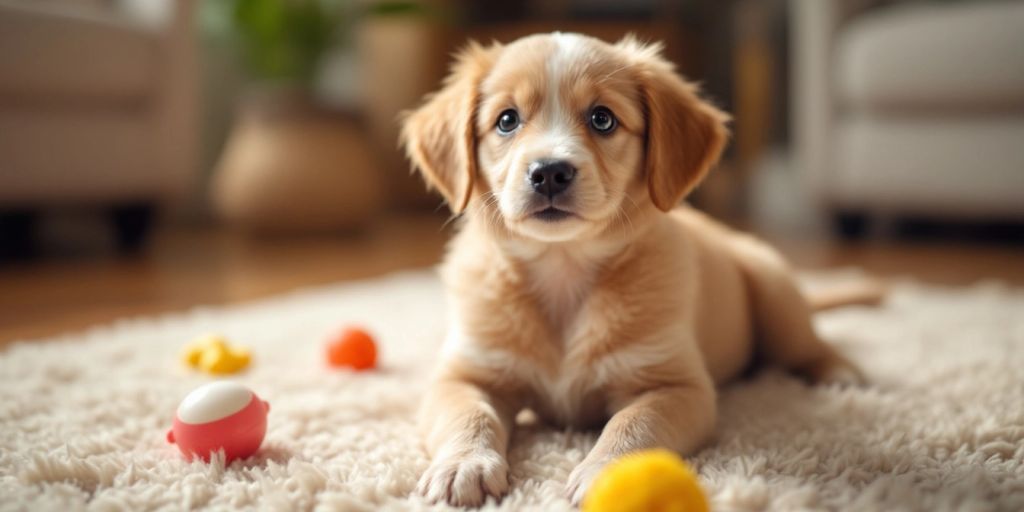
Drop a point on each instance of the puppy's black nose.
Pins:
(550, 177)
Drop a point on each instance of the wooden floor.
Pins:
(188, 267)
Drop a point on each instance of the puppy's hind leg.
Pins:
(782, 317)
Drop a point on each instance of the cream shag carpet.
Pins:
(83, 416)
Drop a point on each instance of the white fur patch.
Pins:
(562, 281)
(560, 126)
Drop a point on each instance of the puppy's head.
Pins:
(560, 135)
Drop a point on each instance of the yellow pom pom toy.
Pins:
(213, 354)
(652, 480)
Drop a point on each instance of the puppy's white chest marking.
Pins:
(569, 397)
(561, 283)
(575, 393)
(570, 392)
(566, 386)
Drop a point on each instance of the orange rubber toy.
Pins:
(352, 348)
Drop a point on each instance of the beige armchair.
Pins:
(910, 108)
(97, 108)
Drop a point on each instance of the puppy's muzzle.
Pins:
(550, 177)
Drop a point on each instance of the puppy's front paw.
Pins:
(465, 480)
(581, 478)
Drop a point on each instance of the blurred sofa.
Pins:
(97, 107)
(910, 108)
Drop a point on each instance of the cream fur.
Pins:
(83, 415)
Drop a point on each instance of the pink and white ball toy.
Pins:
(221, 415)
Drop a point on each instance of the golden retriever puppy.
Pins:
(577, 288)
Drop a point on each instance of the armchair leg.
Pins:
(851, 225)
(18, 235)
(132, 223)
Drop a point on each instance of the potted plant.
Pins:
(291, 163)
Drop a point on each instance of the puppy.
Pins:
(578, 288)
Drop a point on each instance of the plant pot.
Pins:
(289, 165)
(388, 88)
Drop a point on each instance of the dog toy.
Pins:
(221, 415)
(353, 348)
(647, 480)
(213, 354)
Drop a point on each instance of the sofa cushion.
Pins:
(953, 56)
(951, 166)
(47, 53)
(66, 155)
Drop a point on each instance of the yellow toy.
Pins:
(652, 480)
(213, 354)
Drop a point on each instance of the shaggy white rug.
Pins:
(83, 417)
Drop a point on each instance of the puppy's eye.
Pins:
(602, 120)
(508, 121)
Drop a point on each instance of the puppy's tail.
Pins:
(867, 292)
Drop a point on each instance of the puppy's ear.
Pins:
(439, 137)
(685, 134)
